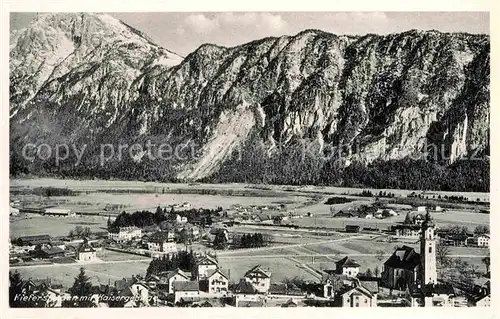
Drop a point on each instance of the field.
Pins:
(54, 226)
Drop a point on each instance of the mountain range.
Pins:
(310, 108)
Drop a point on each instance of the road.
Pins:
(238, 251)
(85, 264)
(325, 255)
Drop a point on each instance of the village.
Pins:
(187, 254)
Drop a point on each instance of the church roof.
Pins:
(85, 247)
(404, 257)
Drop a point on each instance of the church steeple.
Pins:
(428, 251)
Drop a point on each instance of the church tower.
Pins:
(428, 272)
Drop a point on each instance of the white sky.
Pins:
(184, 32)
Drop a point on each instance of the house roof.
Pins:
(52, 250)
(206, 260)
(124, 283)
(186, 286)
(258, 269)
(432, 289)
(249, 303)
(283, 289)
(211, 272)
(404, 257)
(289, 303)
(359, 289)
(244, 287)
(171, 273)
(346, 262)
(371, 285)
(159, 237)
(35, 240)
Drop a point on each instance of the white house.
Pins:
(168, 278)
(186, 291)
(137, 295)
(347, 267)
(421, 209)
(162, 242)
(245, 292)
(125, 233)
(204, 265)
(216, 282)
(483, 301)
(259, 278)
(483, 240)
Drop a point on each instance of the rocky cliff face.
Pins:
(88, 78)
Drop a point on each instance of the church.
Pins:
(416, 273)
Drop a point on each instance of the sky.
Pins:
(183, 32)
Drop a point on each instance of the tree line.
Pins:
(183, 260)
(146, 218)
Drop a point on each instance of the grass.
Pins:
(54, 226)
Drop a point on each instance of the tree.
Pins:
(443, 255)
(15, 289)
(220, 241)
(369, 273)
(481, 230)
(408, 219)
(376, 271)
(82, 290)
(486, 261)
(184, 236)
(109, 224)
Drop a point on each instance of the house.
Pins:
(85, 252)
(421, 209)
(34, 240)
(162, 241)
(64, 212)
(352, 228)
(245, 294)
(259, 278)
(216, 282)
(401, 269)
(13, 211)
(431, 295)
(179, 219)
(192, 231)
(135, 295)
(355, 296)
(47, 252)
(289, 304)
(332, 283)
(483, 240)
(186, 291)
(482, 301)
(204, 265)
(347, 266)
(282, 290)
(125, 233)
(166, 279)
(406, 230)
